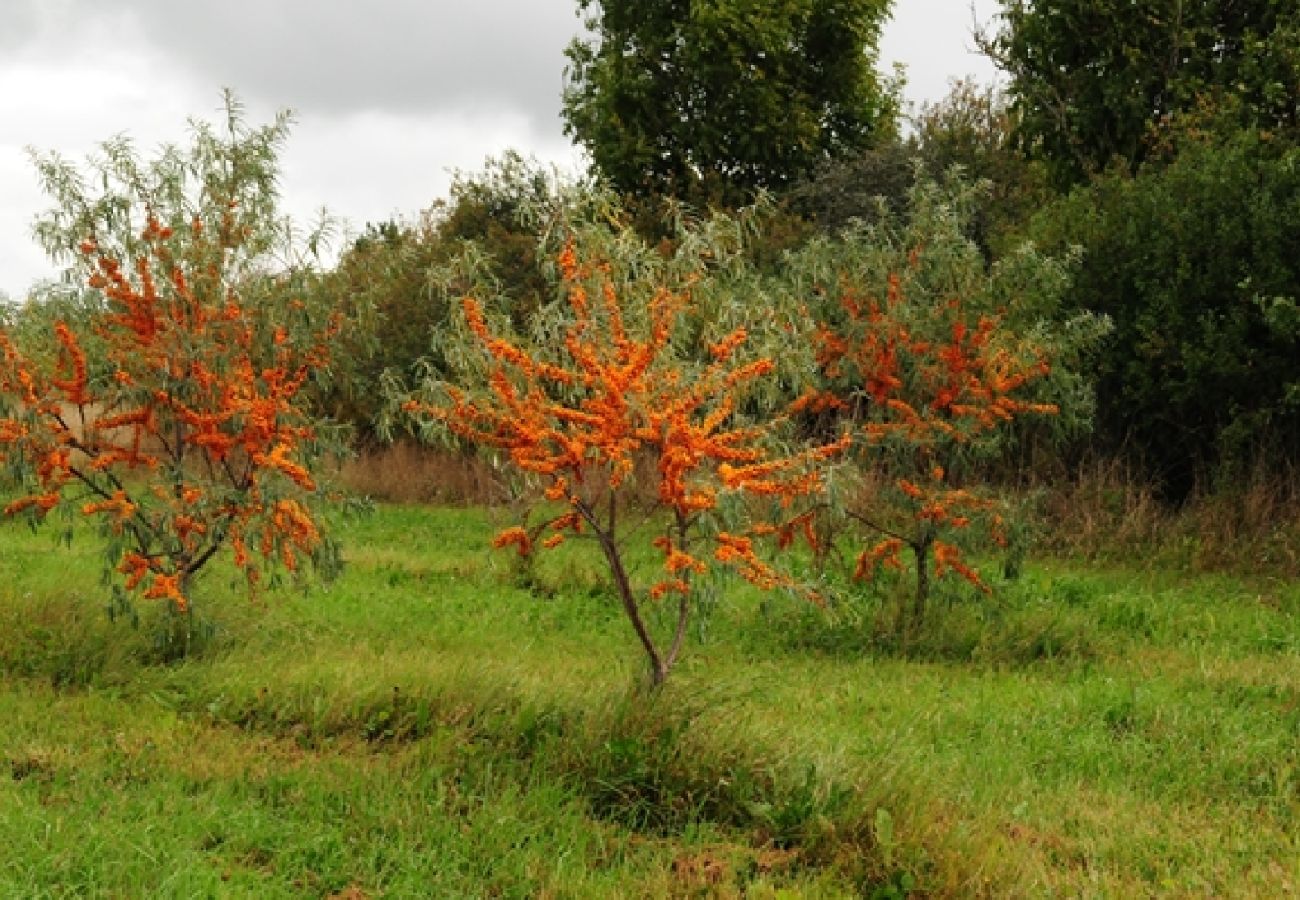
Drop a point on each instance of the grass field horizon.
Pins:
(429, 725)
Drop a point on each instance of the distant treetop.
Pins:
(1096, 80)
(713, 99)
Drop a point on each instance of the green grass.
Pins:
(427, 727)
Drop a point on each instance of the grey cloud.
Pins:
(401, 56)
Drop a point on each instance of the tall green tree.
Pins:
(712, 99)
(1096, 80)
(867, 186)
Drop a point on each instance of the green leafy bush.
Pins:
(1197, 264)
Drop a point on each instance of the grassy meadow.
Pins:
(439, 723)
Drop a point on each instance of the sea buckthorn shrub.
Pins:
(621, 379)
(171, 410)
(936, 359)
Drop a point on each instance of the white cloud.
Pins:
(933, 39)
(372, 166)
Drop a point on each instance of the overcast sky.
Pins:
(390, 96)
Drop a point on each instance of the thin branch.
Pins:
(137, 518)
(218, 540)
(876, 527)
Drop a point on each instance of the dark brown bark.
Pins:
(605, 537)
(623, 585)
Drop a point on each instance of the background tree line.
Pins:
(1158, 141)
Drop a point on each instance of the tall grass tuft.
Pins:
(1108, 511)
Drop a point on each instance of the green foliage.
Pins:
(711, 101)
(969, 131)
(973, 128)
(227, 178)
(502, 209)
(396, 282)
(1095, 81)
(380, 286)
(869, 185)
(1196, 265)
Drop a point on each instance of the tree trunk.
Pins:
(659, 666)
(922, 550)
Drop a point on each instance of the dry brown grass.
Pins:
(405, 472)
(1103, 506)
(1106, 510)
(1256, 526)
